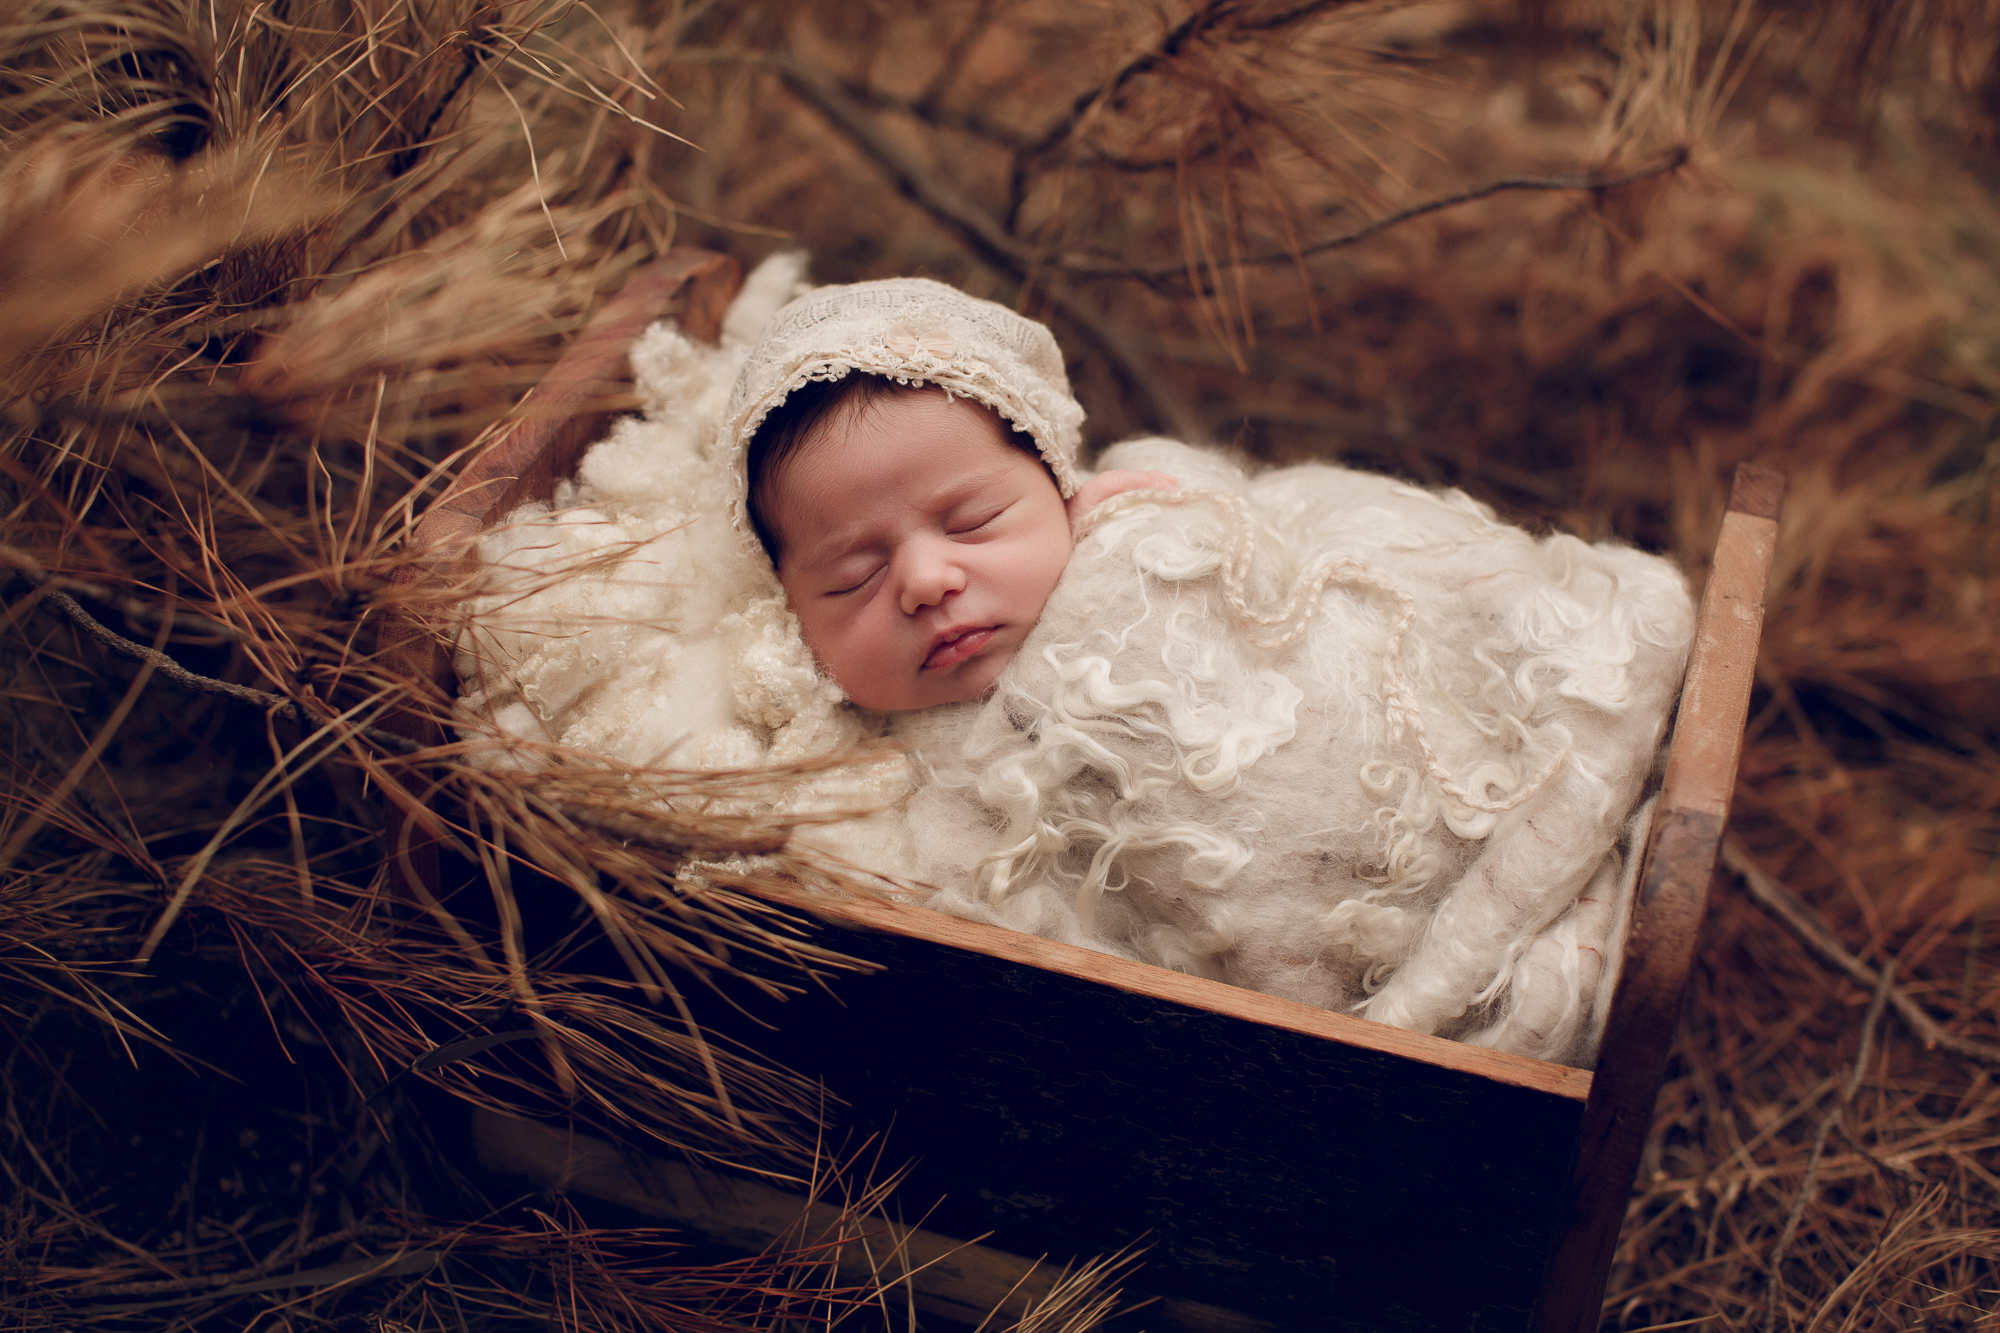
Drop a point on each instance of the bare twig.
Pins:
(165, 665)
(981, 232)
(278, 704)
(404, 1263)
(1171, 43)
(953, 63)
(131, 607)
(78, 771)
(1106, 266)
(1804, 922)
(628, 828)
(282, 1255)
(992, 241)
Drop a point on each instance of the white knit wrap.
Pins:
(916, 332)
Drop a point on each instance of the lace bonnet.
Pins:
(916, 332)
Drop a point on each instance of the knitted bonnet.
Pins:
(916, 332)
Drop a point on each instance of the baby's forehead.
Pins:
(885, 397)
(919, 408)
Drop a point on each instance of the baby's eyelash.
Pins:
(856, 586)
(974, 527)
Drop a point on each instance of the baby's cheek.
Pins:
(1051, 576)
(852, 661)
(822, 643)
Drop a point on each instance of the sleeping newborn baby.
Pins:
(1313, 732)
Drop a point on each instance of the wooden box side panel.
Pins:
(1310, 1182)
(576, 401)
(1013, 946)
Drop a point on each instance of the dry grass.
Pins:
(263, 280)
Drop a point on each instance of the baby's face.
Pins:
(917, 547)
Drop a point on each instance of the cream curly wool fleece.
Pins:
(630, 620)
(1324, 735)
(1313, 732)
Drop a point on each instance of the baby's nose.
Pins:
(930, 574)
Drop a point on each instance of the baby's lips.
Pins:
(957, 648)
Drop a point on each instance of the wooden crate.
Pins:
(1303, 1168)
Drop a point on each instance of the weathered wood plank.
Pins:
(1199, 992)
(557, 420)
(590, 384)
(1316, 1183)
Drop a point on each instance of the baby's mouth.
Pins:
(955, 648)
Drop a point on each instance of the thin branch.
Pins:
(953, 63)
(980, 231)
(1172, 42)
(1106, 266)
(407, 158)
(1285, 18)
(992, 241)
(130, 607)
(1804, 922)
(166, 666)
(935, 116)
(404, 1263)
(284, 1254)
(1165, 49)
(628, 828)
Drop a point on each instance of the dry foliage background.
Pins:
(267, 272)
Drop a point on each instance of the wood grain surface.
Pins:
(572, 407)
(589, 385)
(1315, 1183)
(1199, 992)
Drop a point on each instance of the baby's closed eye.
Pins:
(975, 520)
(1116, 482)
(840, 582)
